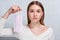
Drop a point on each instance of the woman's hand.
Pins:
(11, 10)
(14, 9)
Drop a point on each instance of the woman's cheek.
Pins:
(39, 16)
(30, 15)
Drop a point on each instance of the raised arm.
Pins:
(12, 10)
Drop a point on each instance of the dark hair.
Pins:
(39, 4)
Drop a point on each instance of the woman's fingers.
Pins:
(14, 9)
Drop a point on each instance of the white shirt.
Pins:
(25, 33)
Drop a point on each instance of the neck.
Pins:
(32, 25)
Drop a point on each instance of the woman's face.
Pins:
(35, 13)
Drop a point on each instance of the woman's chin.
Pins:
(35, 21)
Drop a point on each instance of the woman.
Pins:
(36, 29)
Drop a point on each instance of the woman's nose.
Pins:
(35, 14)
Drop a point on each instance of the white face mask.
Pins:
(17, 23)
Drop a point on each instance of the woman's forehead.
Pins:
(35, 7)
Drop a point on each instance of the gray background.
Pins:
(52, 10)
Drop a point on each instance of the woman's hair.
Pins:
(39, 4)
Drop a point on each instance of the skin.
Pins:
(11, 10)
(34, 13)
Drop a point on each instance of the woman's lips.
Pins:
(35, 18)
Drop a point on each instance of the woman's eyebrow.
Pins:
(31, 9)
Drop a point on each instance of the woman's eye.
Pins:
(31, 11)
(38, 11)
